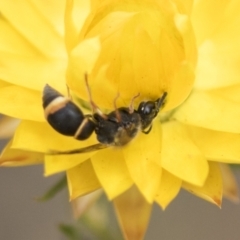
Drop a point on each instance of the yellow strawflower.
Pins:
(187, 49)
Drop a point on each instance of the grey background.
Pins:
(23, 218)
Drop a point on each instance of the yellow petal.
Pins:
(15, 157)
(29, 135)
(215, 145)
(3, 84)
(112, 172)
(53, 12)
(143, 159)
(111, 33)
(212, 111)
(221, 19)
(21, 103)
(13, 42)
(180, 156)
(82, 204)
(70, 29)
(184, 5)
(76, 13)
(82, 180)
(139, 33)
(81, 61)
(213, 187)
(230, 186)
(168, 189)
(207, 13)
(230, 93)
(58, 163)
(133, 212)
(145, 52)
(218, 59)
(8, 126)
(212, 64)
(37, 136)
(183, 24)
(33, 72)
(183, 77)
(46, 39)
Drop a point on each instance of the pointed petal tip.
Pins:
(77, 195)
(163, 207)
(133, 213)
(217, 201)
(8, 126)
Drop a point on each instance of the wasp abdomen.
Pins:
(64, 116)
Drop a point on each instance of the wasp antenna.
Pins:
(161, 101)
(131, 106)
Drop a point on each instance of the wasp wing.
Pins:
(91, 148)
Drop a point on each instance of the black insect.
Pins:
(117, 128)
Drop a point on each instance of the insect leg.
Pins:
(91, 148)
(147, 131)
(95, 108)
(131, 106)
(118, 117)
(68, 93)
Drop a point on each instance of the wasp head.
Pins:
(149, 110)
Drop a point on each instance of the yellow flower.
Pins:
(127, 47)
(141, 40)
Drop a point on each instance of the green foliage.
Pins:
(55, 189)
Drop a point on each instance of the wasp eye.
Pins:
(147, 108)
(147, 112)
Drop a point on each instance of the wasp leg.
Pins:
(95, 108)
(91, 148)
(147, 131)
(131, 106)
(118, 116)
(68, 93)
